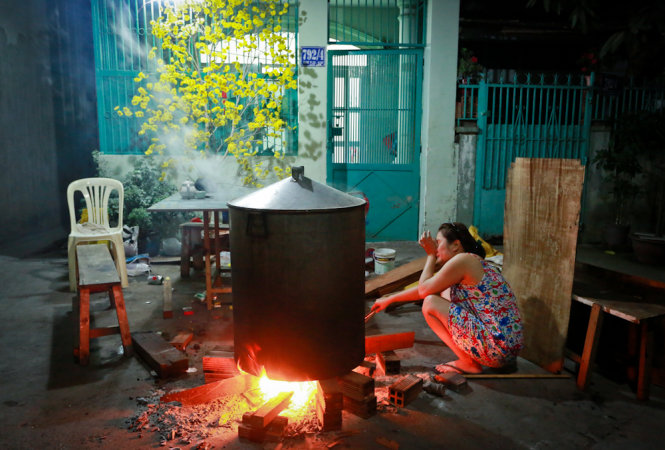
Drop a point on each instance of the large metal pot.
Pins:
(297, 265)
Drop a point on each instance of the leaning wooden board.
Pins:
(540, 236)
(395, 279)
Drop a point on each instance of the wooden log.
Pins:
(367, 368)
(211, 391)
(403, 391)
(159, 355)
(395, 279)
(271, 409)
(182, 340)
(385, 342)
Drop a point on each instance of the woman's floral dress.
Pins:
(484, 319)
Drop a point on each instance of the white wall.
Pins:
(312, 92)
(438, 172)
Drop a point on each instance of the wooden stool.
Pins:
(97, 273)
(191, 249)
(632, 310)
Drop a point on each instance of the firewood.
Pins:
(385, 342)
(395, 279)
(182, 340)
(266, 413)
(211, 391)
(159, 355)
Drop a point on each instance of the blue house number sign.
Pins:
(313, 56)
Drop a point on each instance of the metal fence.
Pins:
(122, 40)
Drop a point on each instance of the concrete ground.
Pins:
(49, 401)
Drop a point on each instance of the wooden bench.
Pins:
(628, 308)
(97, 273)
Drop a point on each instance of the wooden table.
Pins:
(213, 203)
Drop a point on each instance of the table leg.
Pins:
(590, 346)
(206, 249)
(644, 364)
(217, 244)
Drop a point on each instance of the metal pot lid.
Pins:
(296, 193)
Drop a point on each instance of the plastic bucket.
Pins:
(384, 260)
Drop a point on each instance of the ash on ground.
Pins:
(180, 424)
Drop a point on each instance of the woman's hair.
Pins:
(453, 231)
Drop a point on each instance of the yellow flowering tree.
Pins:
(221, 78)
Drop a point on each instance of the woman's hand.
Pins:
(381, 304)
(428, 243)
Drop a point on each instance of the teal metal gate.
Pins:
(374, 109)
(541, 119)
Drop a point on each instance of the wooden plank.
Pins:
(395, 279)
(208, 392)
(271, 409)
(540, 236)
(95, 265)
(386, 342)
(627, 307)
(182, 340)
(159, 354)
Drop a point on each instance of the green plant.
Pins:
(225, 71)
(649, 142)
(620, 168)
(143, 188)
(468, 66)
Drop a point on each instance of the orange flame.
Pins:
(302, 401)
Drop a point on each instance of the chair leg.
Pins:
(118, 251)
(71, 257)
(590, 346)
(123, 324)
(84, 326)
(184, 252)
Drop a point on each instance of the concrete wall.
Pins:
(439, 160)
(48, 124)
(597, 207)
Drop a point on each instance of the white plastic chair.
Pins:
(96, 192)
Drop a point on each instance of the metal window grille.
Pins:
(377, 23)
(123, 38)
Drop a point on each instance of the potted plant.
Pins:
(144, 187)
(620, 169)
(469, 70)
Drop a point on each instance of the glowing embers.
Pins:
(303, 391)
(281, 402)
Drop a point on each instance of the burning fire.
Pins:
(303, 391)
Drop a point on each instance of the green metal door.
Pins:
(539, 119)
(374, 111)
